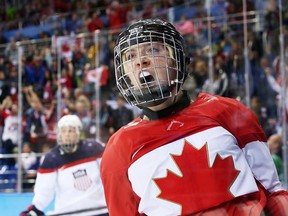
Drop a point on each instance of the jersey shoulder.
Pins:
(51, 159)
(216, 106)
(87, 150)
(92, 147)
(209, 99)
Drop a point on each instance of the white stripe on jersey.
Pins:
(259, 158)
(155, 164)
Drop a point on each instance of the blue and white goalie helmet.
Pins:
(69, 128)
(150, 62)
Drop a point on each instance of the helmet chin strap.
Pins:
(176, 106)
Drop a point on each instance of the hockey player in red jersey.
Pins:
(203, 157)
(71, 173)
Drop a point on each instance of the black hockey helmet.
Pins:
(150, 90)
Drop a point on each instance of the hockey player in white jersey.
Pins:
(70, 174)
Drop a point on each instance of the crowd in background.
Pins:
(69, 18)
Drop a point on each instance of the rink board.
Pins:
(11, 204)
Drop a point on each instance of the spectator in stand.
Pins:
(185, 26)
(82, 5)
(30, 96)
(271, 16)
(34, 73)
(4, 86)
(103, 119)
(12, 81)
(135, 13)
(93, 22)
(49, 110)
(119, 116)
(275, 82)
(49, 88)
(67, 102)
(30, 163)
(255, 47)
(262, 88)
(219, 85)
(11, 52)
(275, 144)
(4, 92)
(5, 106)
(40, 71)
(80, 96)
(200, 74)
(67, 75)
(193, 47)
(48, 57)
(149, 9)
(3, 63)
(114, 13)
(260, 112)
(84, 115)
(10, 137)
(73, 24)
(235, 70)
(61, 6)
(126, 6)
(79, 59)
(36, 126)
(269, 125)
(226, 42)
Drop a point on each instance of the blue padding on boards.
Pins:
(11, 204)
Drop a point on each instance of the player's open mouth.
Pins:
(146, 77)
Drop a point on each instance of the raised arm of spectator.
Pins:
(31, 96)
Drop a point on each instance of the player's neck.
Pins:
(179, 105)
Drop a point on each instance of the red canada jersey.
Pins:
(211, 154)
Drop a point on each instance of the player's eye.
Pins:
(153, 50)
(130, 55)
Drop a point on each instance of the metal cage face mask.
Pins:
(69, 148)
(72, 145)
(70, 125)
(149, 62)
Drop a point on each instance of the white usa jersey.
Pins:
(204, 156)
(74, 180)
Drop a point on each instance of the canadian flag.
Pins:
(66, 44)
(98, 75)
